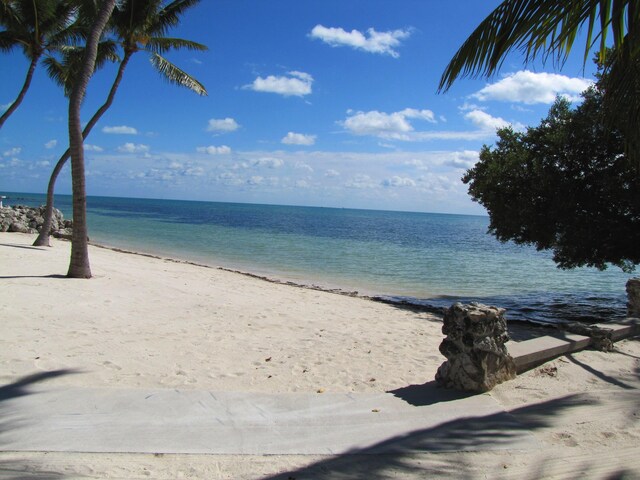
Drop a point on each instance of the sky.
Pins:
(330, 103)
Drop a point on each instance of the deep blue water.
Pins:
(429, 259)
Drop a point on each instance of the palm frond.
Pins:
(164, 44)
(176, 75)
(170, 15)
(8, 41)
(8, 16)
(546, 28)
(56, 72)
(107, 52)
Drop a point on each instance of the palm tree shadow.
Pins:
(26, 247)
(19, 388)
(397, 454)
(14, 470)
(14, 277)
(598, 373)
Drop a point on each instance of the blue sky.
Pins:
(325, 103)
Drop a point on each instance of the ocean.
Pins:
(426, 259)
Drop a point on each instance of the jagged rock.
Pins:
(18, 227)
(22, 219)
(633, 296)
(477, 358)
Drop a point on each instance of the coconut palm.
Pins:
(548, 29)
(139, 26)
(38, 27)
(79, 264)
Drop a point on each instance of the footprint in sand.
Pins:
(111, 365)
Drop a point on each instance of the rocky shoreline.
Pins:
(23, 219)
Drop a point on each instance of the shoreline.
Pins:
(428, 283)
(519, 329)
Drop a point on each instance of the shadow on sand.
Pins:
(13, 277)
(26, 247)
(429, 393)
(414, 454)
(12, 470)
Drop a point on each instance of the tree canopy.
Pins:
(38, 28)
(565, 185)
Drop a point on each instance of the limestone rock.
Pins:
(477, 358)
(19, 218)
(633, 296)
(18, 227)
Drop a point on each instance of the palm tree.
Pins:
(548, 29)
(139, 26)
(38, 27)
(79, 265)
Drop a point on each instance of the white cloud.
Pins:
(4, 107)
(295, 84)
(417, 163)
(386, 125)
(92, 148)
(133, 148)
(331, 173)
(268, 162)
(228, 178)
(302, 184)
(240, 165)
(399, 126)
(303, 166)
(212, 150)
(13, 151)
(486, 122)
(299, 139)
(222, 125)
(372, 42)
(43, 163)
(530, 88)
(120, 130)
(51, 144)
(360, 181)
(255, 180)
(464, 159)
(397, 181)
(194, 172)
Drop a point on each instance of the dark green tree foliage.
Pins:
(565, 185)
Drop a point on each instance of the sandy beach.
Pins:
(146, 322)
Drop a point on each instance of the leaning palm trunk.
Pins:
(27, 83)
(44, 236)
(79, 265)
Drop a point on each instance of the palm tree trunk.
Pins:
(79, 264)
(43, 238)
(27, 82)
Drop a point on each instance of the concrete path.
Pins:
(423, 418)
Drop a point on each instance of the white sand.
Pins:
(147, 322)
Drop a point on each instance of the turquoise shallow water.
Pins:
(431, 259)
